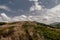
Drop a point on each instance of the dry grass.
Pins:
(25, 30)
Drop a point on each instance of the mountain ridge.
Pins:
(28, 30)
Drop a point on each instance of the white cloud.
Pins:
(33, 0)
(5, 17)
(46, 16)
(21, 18)
(36, 6)
(55, 9)
(1, 20)
(5, 7)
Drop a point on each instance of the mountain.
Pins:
(28, 30)
(56, 25)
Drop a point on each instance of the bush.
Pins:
(2, 23)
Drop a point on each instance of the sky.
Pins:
(41, 8)
(19, 7)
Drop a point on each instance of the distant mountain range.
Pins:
(56, 24)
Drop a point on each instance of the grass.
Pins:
(38, 31)
(43, 30)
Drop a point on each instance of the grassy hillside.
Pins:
(26, 30)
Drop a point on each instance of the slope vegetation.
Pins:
(27, 30)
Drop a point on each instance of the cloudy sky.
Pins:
(19, 7)
(41, 8)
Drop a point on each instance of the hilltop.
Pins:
(27, 30)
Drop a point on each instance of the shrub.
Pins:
(2, 23)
